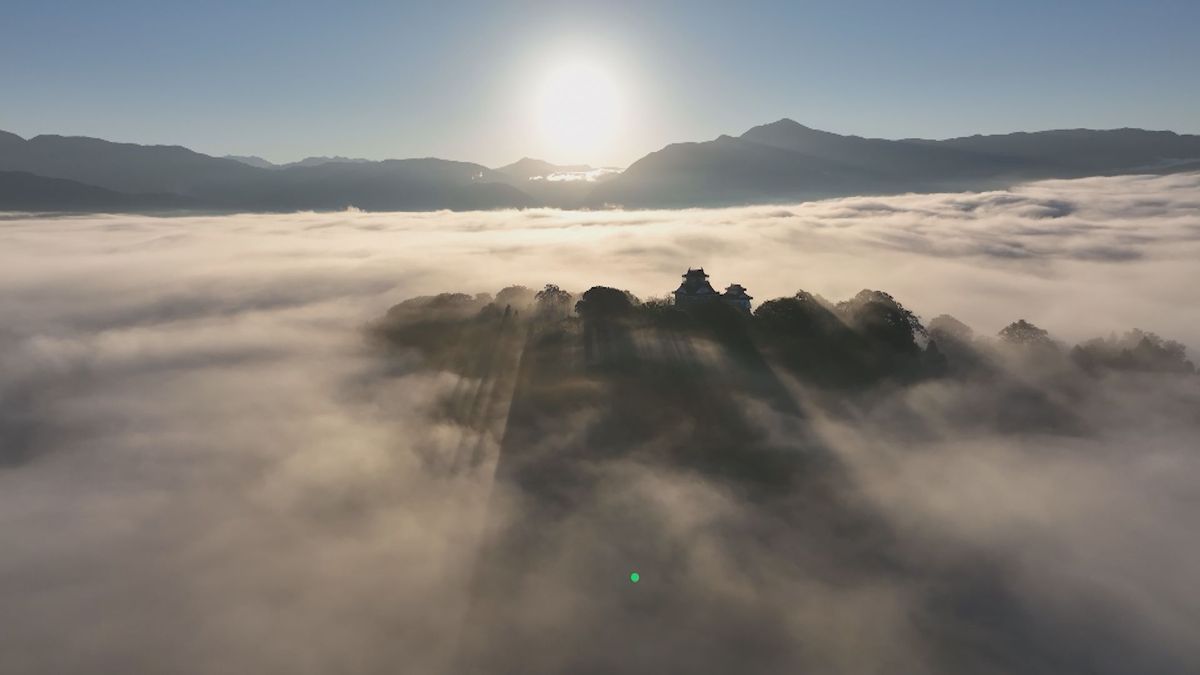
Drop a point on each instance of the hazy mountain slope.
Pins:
(124, 167)
(528, 167)
(530, 176)
(777, 162)
(910, 164)
(252, 160)
(786, 160)
(404, 185)
(256, 161)
(317, 161)
(222, 183)
(731, 170)
(20, 191)
(1085, 151)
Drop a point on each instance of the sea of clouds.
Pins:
(205, 467)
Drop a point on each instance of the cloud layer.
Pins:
(206, 467)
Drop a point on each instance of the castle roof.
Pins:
(695, 283)
(737, 291)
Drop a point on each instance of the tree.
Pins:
(803, 313)
(1022, 332)
(552, 301)
(882, 320)
(948, 328)
(517, 297)
(1135, 350)
(604, 302)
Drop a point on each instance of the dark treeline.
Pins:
(534, 358)
(863, 341)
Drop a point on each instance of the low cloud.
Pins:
(208, 465)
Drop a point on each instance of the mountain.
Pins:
(122, 167)
(252, 160)
(317, 161)
(229, 184)
(564, 186)
(730, 170)
(396, 184)
(787, 161)
(20, 191)
(255, 160)
(1085, 151)
(527, 168)
(778, 162)
(9, 139)
(901, 161)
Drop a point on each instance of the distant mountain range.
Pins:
(22, 191)
(787, 161)
(779, 162)
(528, 168)
(255, 160)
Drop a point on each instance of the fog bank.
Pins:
(207, 465)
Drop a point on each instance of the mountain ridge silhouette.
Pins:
(770, 163)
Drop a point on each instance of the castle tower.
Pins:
(695, 288)
(736, 295)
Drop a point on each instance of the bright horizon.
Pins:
(585, 84)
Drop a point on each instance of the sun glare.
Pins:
(579, 111)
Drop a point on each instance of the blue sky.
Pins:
(384, 79)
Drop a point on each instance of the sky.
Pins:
(484, 82)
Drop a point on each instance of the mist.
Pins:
(223, 450)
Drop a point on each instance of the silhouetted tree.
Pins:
(946, 328)
(552, 301)
(804, 335)
(604, 302)
(955, 342)
(886, 308)
(883, 320)
(1022, 332)
(1135, 350)
(803, 312)
(517, 297)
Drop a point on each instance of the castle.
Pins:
(695, 288)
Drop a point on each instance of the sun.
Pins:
(578, 110)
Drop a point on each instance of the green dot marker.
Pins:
(634, 577)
